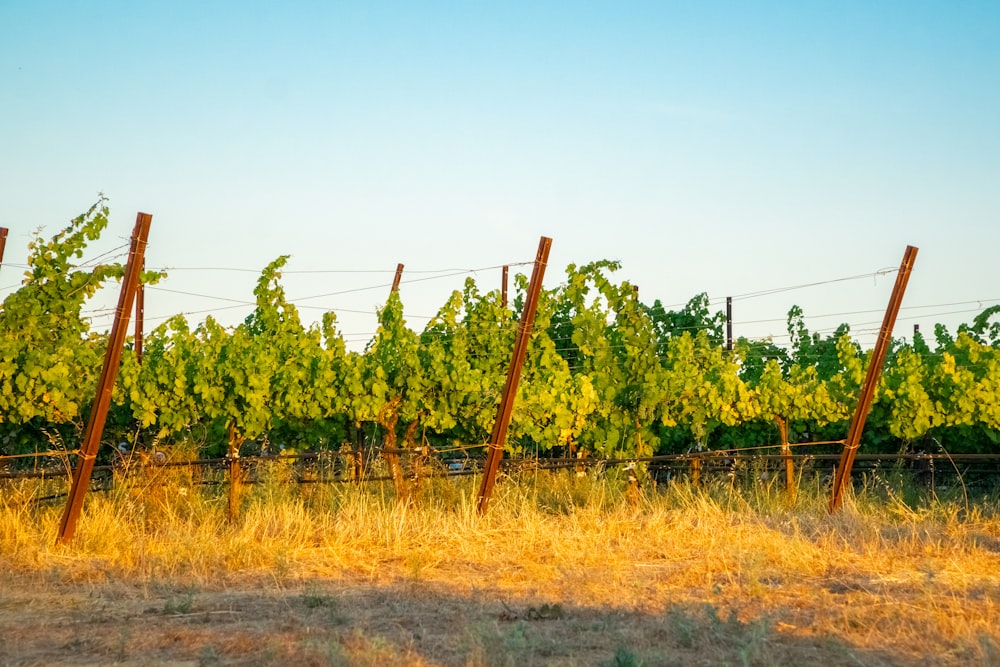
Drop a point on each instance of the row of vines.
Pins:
(606, 375)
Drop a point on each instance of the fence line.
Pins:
(472, 465)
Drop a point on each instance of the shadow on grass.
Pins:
(323, 622)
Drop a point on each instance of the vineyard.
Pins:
(607, 377)
(638, 522)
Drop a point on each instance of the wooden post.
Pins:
(102, 400)
(503, 286)
(399, 275)
(3, 242)
(786, 454)
(506, 406)
(359, 453)
(632, 492)
(388, 417)
(235, 471)
(696, 469)
(729, 323)
(419, 455)
(853, 440)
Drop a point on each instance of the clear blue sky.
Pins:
(719, 147)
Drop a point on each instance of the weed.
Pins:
(176, 606)
(415, 566)
(545, 612)
(624, 658)
(682, 627)
(316, 600)
(121, 652)
(516, 638)
(209, 655)
(989, 651)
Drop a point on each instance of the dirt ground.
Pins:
(355, 622)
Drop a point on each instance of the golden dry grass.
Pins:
(563, 570)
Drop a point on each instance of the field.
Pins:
(564, 570)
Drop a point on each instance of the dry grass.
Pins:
(562, 571)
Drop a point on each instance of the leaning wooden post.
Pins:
(853, 440)
(388, 417)
(396, 279)
(102, 401)
(499, 435)
(3, 242)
